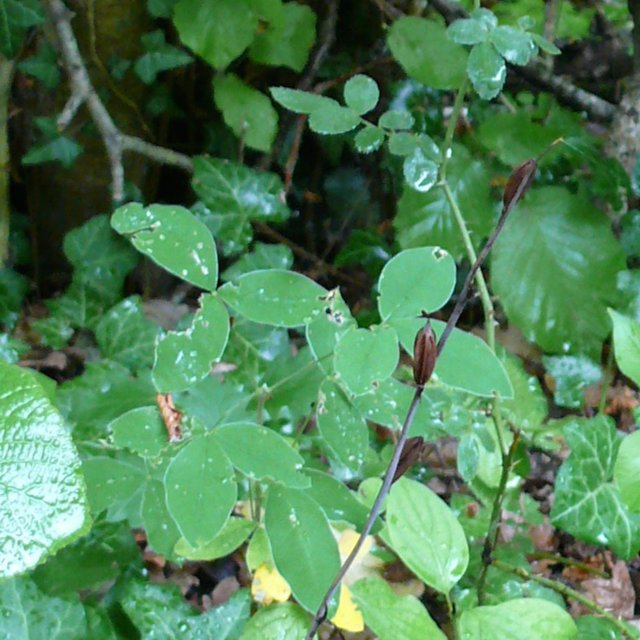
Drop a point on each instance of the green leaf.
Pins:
(200, 508)
(468, 31)
(336, 500)
(365, 357)
(369, 139)
(361, 93)
(300, 101)
(545, 45)
(54, 331)
(161, 8)
(185, 358)
(420, 172)
(391, 616)
(626, 471)
(13, 288)
(587, 504)
(232, 535)
(261, 453)
(396, 119)
(61, 149)
(234, 195)
(276, 297)
(173, 238)
(299, 535)
(514, 45)
(43, 66)
(486, 70)
(277, 622)
(554, 268)
(626, 341)
(427, 219)
(246, 111)
(341, 426)
(421, 46)
(16, 16)
(159, 56)
(468, 457)
(287, 43)
(528, 408)
(425, 534)
(44, 505)
(416, 280)
(29, 613)
(262, 256)
(522, 618)
(571, 375)
(126, 336)
(140, 430)
(162, 531)
(333, 119)
(217, 30)
(224, 622)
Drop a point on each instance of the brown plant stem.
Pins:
(6, 76)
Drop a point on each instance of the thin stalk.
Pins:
(626, 630)
(321, 614)
(451, 128)
(491, 541)
(607, 379)
(6, 77)
(569, 562)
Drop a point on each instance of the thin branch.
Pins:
(6, 76)
(83, 92)
(536, 74)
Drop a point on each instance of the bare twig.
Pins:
(83, 92)
(6, 76)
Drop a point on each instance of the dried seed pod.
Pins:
(425, 352)
(518, 184)
(411, 453)
(171, 417)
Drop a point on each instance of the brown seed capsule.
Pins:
(411, 453)
(518, 184)
(425, 352)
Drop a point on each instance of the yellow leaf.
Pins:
(365, 564)
(269, 586)
(348, 617)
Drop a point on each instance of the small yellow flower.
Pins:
(269, 586)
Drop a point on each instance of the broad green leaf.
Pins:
(277, 622)
(396, 119)
(160, 528)
(275, 296)
(365, 357)
(361, 93)
(29, 613)
(545, 45)
(420, 172)
(141, 430)
(594, 628)
(333, 118)
(423, 531)
(416, 280)
(159, 56)
(262, 256)
(587, 503)
(260, 453)
(335, 498)
(246, 111)
(468, 456)
(300, 535)
(486, 17)
(62, 149)
(125, 335)
(427, 218)
(200, 507)
(300, 101)
(217, 30)
(16, 16)
(13, 287)
(287, 43)
(391, 616)
(173, 238)
(468, 31)
(224, 622)
(232, 535)
(184, 358)
(554, 268)
(626, 471)
(571, 375)
(528, 408)
(522, 618)
(100, 258)
(43, 66)
(369, 139)
(421, 46)
(341, 426)
(105, 553)
(44, 504)
(626, 342)
(233, 195)
(514, 45)
(161, 8)
(486, 70)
